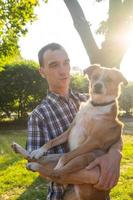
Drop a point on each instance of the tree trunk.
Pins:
(114, 46)
(83, 28)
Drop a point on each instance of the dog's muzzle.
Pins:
(97, 88)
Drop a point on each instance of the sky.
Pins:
(54, 24)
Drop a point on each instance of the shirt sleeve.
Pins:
(36, 136)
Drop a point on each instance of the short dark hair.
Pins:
(50, 46)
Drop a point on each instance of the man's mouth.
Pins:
(64, 78)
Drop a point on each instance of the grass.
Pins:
(124, 188)
(15, 181)
(18, 183)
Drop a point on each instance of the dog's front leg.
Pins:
(47, 171)
(86, 147)
(36, 154)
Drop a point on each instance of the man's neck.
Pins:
(60, 92)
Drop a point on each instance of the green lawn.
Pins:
(18, 183)
(15, 181)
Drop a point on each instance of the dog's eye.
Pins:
(108, 79)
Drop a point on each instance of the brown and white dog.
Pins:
(94, 130)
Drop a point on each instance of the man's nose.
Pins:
(63, 69)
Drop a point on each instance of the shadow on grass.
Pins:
(36, 191)
(131, 195)
(17, 124)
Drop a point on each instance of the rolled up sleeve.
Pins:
(36, 136)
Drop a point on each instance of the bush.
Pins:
(22, 88)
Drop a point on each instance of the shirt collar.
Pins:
(55, 97)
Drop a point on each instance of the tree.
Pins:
(22, 88)
(14, 16)
(115, 30)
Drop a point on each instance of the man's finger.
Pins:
(107, 181)
(113, 181)
(104, 179)
(100, 184)
(93, 164)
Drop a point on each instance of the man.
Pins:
(55, 114)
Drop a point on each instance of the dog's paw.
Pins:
(15, 147)
(32, 166)
(19, 149)
(36, 154)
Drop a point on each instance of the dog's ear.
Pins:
(91, 69)
(122, 79)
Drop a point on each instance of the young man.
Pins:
(55, 114)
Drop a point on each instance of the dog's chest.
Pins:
(87, 115)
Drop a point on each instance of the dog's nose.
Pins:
(98, 88)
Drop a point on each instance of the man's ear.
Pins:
(91, 69)
(42, 72)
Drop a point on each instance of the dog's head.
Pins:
(104, 83)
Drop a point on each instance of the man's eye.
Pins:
(54, 65)
(67, 62)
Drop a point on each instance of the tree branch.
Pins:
(83, 28)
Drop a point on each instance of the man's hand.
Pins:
(62, 161)
(109, 169)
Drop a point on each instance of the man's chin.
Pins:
(65, 82)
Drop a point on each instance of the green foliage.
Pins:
(79, 83)
(14, 16)
(126, 99)
(22, 88)
(9, 59)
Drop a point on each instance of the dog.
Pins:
(94, 130)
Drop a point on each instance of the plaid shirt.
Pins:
(48, 120)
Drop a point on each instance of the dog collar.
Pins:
(102, 104)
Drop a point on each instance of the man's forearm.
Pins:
(92, 176)
(81, 177)
(117, 147)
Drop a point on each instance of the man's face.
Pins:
(56, 69)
